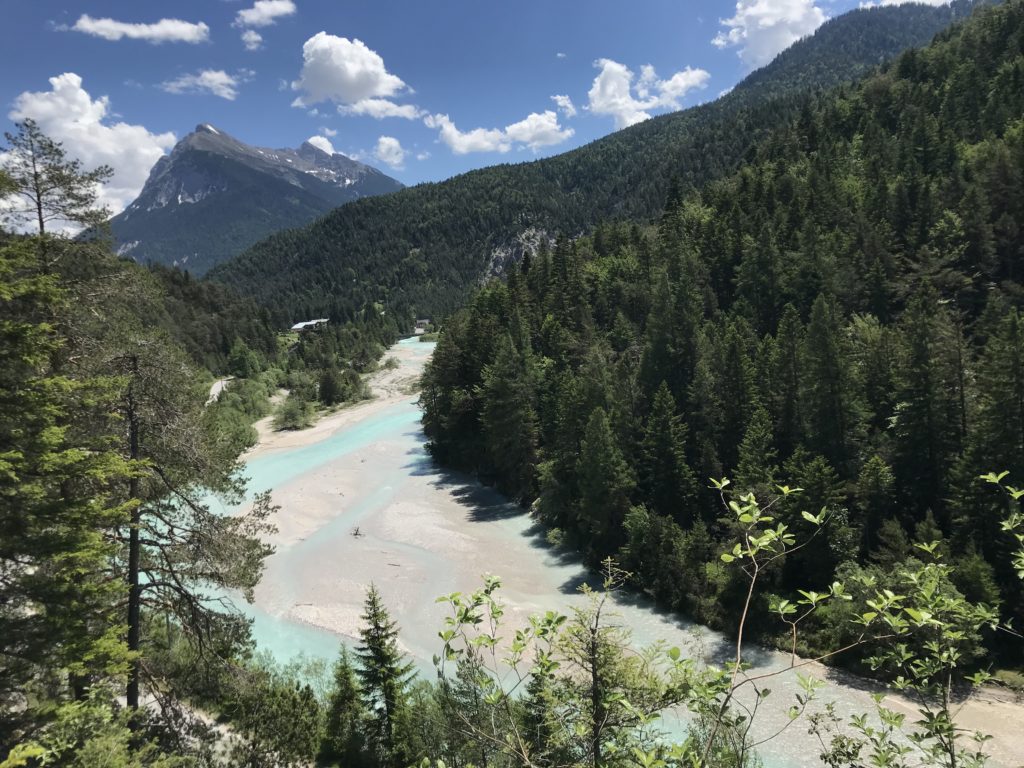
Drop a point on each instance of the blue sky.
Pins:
(423, 90)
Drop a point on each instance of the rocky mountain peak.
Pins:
(212, 175)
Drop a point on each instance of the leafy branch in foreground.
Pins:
(570, 690)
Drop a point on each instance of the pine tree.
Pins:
(667, 482)
(875, 497)
(346, 715)
(275, 721)
(605, 484)
(53, 190)
(928, 419)
(510, 421)
(57, 605)
(383, 674)
(331, 389)
(176, 550)
(737, 389)
(826, 384)
(170, 549)
(756, 469)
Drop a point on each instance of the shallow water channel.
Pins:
(424, 532)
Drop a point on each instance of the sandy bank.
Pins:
(387, 386)
(424, 532)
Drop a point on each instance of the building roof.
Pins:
(310, 324)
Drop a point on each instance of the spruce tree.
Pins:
(705, 415)
(346, 716)
(243, 362)
(656, 364)
(826, 384)
(875, 496)
(757, 283)
(756, 469)
(737, 389)
(58, 613)
(384, 674)
(786, 405)
(510, 421)
(668, 483)
(605, 484)
(331, 389)
(873, 352)
(927, 423)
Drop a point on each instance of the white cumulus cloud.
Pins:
(464, 142)
(613, 92)
(67, 113)
(389, 150)
(252, 40)
(163, 31)
(216, 82)
(760, 29)
(565, 105)
(264, 13)
(328, 131)
(536, 130)
(321, 142)
(381, 108)
(343, 71)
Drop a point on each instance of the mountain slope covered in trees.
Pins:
(842, 314)
(422, 249)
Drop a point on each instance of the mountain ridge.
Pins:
(214, 195)
(433, 242)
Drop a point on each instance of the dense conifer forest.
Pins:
(841, 314)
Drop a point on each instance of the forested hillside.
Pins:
(422, 249)
(842, 315)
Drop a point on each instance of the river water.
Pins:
(424, 532)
